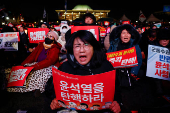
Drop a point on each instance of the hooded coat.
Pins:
(51, 59)
(115, 43)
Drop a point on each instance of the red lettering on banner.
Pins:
(162, 73)
(91, 89)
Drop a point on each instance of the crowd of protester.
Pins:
(141, 93)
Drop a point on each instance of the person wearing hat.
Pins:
(89, 19)
(45, 54)
(163, 38)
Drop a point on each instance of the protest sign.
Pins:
(9, 41)
(102, 31)
(158, 63)
(93, 29)
(126, 22)
(37, 35)
(94, 92)
(57, 27)
(18, 75)
(124, 58)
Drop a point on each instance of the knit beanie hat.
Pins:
(163, 34)
(54, 34)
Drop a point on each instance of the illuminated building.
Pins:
(79, 10)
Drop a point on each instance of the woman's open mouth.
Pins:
(83, 58)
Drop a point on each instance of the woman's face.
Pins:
(50, 36)
(164, 42)
(125, 36)
(83, 52)
(88, 20)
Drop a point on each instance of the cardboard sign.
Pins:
(9, 41)
(123, 58)
(91, 92)
(18, 75)
(158, 63)
(93, 29)
(37, 35)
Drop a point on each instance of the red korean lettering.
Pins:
(158, 65)
(165, 74)
(158, 72)
(165, 66)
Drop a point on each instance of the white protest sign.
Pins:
(158, 63)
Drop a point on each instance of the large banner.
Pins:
(18, 76)
(37, 35)
(123, 58)
(158, 63)
(93, 29)
(90, 92)
(9, 41)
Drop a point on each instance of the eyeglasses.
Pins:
(85, 46)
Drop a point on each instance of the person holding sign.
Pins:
(41, 59)
(121, 38)
(124, 37)
(85, 57)
(161, 62)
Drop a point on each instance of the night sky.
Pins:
(118, 7)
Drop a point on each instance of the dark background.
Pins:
(34, 10)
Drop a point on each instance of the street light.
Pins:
(7, 18)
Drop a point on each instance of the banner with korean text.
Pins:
(93, 29)
(37, 35)
(90, 92)
(9, 41)
(18, 76)
(123, 58)
(158, 63)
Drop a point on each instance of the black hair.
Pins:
(163, 34)
(151, 33)
(98, 56)
(84, 104)
(91, 16)
(116, 32)
(64, 27)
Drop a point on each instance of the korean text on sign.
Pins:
(123, 58)
(92, 90)
(159, 60)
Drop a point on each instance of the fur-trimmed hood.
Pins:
(115, 34)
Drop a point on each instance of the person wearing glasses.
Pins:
(85, 57)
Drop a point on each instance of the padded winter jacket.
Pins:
(51, 59)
